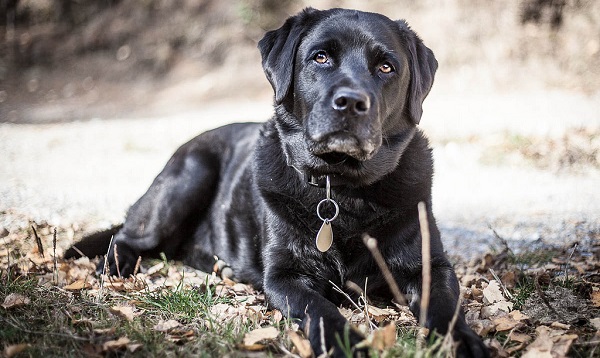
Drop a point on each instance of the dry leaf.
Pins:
(596, 298)
(13, 350)
(506, 323)
(384, 338)
(301, 344)
(550, 343)
(492, 293)
(116, 344)
(15, 300)
(518, 315)
(260, 334)
(596, 323)
(519, 337)
(498, 348)
(123, 311)
(482, 326)
(559, 325)
(78, 285)
(134, 347)
(105, 331)
(542, 346)
(562, 344)
(165, 326)
(276, 316)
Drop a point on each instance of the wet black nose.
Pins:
(351, 101)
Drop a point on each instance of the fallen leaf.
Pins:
(506, 323)
(492, 310)
(596, 323)
(116, 344)
(562, 344)
(482, 326)
(165, 326)
(518, 315)
(302, 344)
(497, 348)
(123, 311)
(105, 331)
(15, 300)
(276, 316)
(596, 298)
(550, 343)
(78, 285)
(519, 337)
(181, 335)
(380, 314)
(492, 293)
(260, 334)
(559, 325)
(384, 338)
(13, 350)
(509, 279)
(134, 347)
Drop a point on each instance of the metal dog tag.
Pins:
(325, 236)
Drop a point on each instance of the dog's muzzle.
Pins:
(339, 146)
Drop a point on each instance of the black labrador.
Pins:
(342, 153)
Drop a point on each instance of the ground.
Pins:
(87, 123)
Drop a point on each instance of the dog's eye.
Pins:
(321, 57)
(386, 68)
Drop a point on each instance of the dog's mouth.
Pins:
(337, 158)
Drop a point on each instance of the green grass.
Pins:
(61, 324)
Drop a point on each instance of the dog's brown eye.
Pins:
(386, 68)
(321, 57)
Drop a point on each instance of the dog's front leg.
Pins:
(442, 306)
(300, 296)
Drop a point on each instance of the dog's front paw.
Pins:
(469, 343)
(123, 265)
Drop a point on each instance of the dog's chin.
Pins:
(339, 159)
(342, 166)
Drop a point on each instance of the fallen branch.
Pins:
(425, 262)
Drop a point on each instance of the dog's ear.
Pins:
(422, 64)
(278, 50)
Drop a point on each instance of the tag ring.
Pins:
(337, 209)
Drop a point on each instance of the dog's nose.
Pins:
(351, 101)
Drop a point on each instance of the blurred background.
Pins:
(95, 95)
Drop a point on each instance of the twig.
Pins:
(322, 334)
(354, 287)
(104, 269)
(371, 244)
(136, 269)
(78, 251)
(55, 273)
(506, 291)
(569, 262)
(426, 262)
(448, 340)
(38, 241)
(116, 254)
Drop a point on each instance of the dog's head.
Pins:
(349, 88)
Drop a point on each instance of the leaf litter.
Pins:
(518, 305)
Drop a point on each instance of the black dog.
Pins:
(349, 87)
